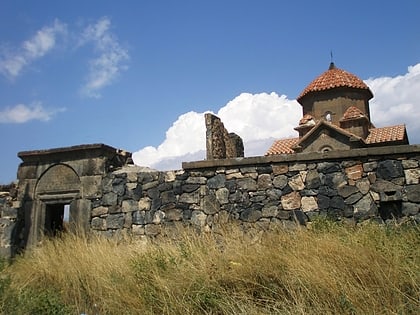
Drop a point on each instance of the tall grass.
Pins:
(327, 269)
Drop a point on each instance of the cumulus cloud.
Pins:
(396, 101)
(22, 113)
(12, 61)
(260, 118)
(252, 116)
(110, 60)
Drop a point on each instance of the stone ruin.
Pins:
(220, 143)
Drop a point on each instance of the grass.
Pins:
(327, 269)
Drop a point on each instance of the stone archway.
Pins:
(58, 187)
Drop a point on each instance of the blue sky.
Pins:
(138, 75)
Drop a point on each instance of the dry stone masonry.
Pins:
(107, 198)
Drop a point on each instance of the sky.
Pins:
(139, 75)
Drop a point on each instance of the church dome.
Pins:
(334, 78)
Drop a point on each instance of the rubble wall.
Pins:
(379, 184)
(348, 186)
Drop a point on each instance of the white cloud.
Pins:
(22, 113)
(396, 101)
(251, 116)
(110, 60)
(258, 118)
(13, 62)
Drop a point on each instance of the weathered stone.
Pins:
(412, 176)
(354, 172)
(291, 201)
(269, 211)
(410, 209)
(372, 177)
(389, 169)
(335, 180)
(365, 208)
(280, 169)
(363, 185)
(274, 194)
(247, 184)
(327, 191)
(264, 181)
(169, 176)
(222, 195)
(406, 164)
(296, 182)
(337, 202)
(144, 203)
(309, 204)
(158, 217)
(167, 197)
(250, 215)
(217, 181)
(345, 191)
(153, 193)
(139, 217)
(235, 175)
(280, 181)
(210, 205)
(413, 193)
(323, 202)
(152, 229)
(313, 180)
(297, 167)
(198, 218)
(115, 221)
(370, 166)
(308, 192)
(129, 205)
(201, 180)
(328, 167)
(383, 186)
(128, 220)
(353, 198)
(266, 169)
(109, 199)
(173, 214)
(283, 215)
(193, 197)
(375, 196)
(98, 211)
(98, 224)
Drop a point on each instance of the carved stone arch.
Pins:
(58, 179)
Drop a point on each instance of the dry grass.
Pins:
(329, 269)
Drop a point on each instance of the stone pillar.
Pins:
(219, 143)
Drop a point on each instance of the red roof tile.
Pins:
(386, 134)
(283, 146)
(352, 112)
(333, 78)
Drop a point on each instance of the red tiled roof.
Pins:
(283, 146)
(333, 78)
(352, 112)
(386, 134)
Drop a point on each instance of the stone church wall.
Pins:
(260, 192)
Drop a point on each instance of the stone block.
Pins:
(412, 176)
(354, 172)
(291, 201)
(309, 204)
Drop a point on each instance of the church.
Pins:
(336, 116)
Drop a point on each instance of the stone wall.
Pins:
(258, 192)
(351, 185)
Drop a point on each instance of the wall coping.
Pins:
(371, 152)
(72, 152)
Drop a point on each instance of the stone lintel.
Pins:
(84, 151)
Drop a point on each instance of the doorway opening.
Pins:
(56, 219)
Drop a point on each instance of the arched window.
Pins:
(325, 148)
(328, 116)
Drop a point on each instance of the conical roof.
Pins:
(334, 78)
